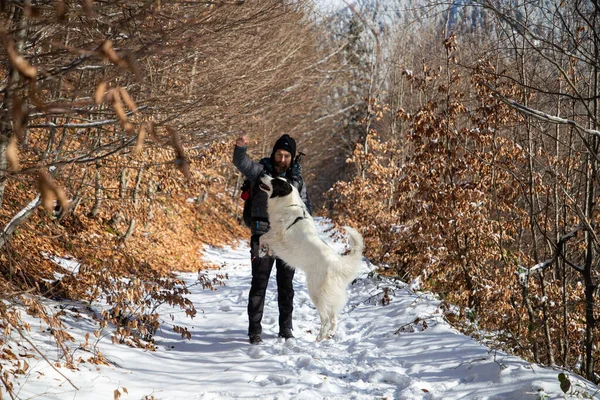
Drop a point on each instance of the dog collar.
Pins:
(298, 218)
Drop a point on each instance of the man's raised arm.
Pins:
(250, 169)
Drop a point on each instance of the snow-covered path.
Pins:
(403, 350)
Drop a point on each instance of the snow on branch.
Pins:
(18, 219)
(90, 124)
(540, 115)
(524, 273)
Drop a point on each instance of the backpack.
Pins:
(246, 195)
(246, 190)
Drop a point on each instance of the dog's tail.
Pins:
(353, 259)
(356, 243)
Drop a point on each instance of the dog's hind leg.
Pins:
(324, 326)
(332, 325)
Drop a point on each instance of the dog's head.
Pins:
(275, 187)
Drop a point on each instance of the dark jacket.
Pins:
(253, 171)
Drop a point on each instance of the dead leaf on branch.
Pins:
(140, 140)
(19, 116)
(128, 100)
(152, 132)
(12, 154)
(19, 62)
(181, 160)
(117, 105)
(88, 8)
(31, 11)
(61, 11)
(100, 92)
(50, 191)
(33, 96)
(127, 61)
(109, 52)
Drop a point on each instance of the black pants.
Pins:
(261, 270)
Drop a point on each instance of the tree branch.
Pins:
(547, 263)
(18, 219)
(540, 115)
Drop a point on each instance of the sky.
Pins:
(402, 350)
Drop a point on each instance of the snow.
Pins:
(402, 350)
(32, 203)
(67, 262)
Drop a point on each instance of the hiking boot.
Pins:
(255, 339)
(286, 333)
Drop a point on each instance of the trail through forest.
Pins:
(402, 350)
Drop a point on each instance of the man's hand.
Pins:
(263, 246)
(265, 251)
(242, 141)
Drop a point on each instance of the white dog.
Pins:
(293, 238)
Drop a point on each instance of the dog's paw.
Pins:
(325, 336)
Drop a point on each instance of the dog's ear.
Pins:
(281, 187)
(264, 183)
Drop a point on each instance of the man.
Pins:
(281, 163)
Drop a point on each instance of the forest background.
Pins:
(461, 138)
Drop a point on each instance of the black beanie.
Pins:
(287, 143)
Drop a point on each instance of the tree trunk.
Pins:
(136, 188)
(129, 230)
(124, 182)
(150, 199)
(546, 321)
(15, 19)
(97, 193)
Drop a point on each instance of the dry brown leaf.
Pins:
(152, 132)
(88, 8)
(127, 99)
(20, 63)
(34, 98)
(67, 86)
(117, 394)
(175, 142)
(117, 105)
(31, 11)
(133, 66)
(61, 195)
(50, 192)
(12, 154)
(181, 161)
(111, 54)
(100, 92)
(139, 144)
(61, 10)
(183, 164)
(45, 187)
(19, 115)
